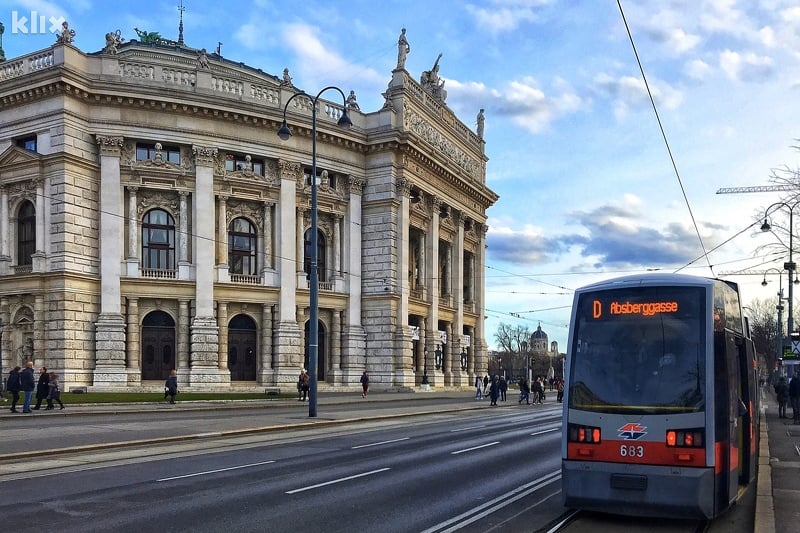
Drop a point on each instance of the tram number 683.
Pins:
(629, 450)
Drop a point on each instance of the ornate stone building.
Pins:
(151, 218)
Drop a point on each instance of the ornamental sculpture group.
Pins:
(429, 80)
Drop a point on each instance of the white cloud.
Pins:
(745, 67)
(697, 70)
(505, 15)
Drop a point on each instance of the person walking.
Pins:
(27, 385)
(364, 384)
(794, 397)
(560, 389)
(55, 391)
(42, 389)
(171, 385)
(13, 386)
(485, 383)
(300, 385)
(478, 388)
(782, 394)
(538, 391)
(494, 390)
(524, 391)
(305, 380)
(503, 388)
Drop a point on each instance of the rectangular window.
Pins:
(28, 143)
(235, 162)
(147, 151)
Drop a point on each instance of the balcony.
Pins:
(154, 273)
(245, 279)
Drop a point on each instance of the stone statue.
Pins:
(202, 59)
(66, 35)
(2, 53)
(387, 104)
(481, 120)
(403, 49)
(287, 80)
(431, 82)
(351, 101)
(113, 40)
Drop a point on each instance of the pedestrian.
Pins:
(560, 389)
(794, 397)
(305, 380)
(782, 394)
(494, 390)
(55, 391)
(42, 388)
(27, 385)
(300, 385)
(478, 388)
(485, 383)
(524, 391)
(503, 388)
(171, 385)
(13, 386)
(364, 384)
(538, 391)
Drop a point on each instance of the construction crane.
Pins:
(758, 188)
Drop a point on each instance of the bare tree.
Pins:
(764, 329)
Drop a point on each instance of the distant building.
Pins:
(151, 218)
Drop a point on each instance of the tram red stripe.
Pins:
(635, 452)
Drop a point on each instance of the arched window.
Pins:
(320, 254)
(242, 241)
(26, 234)
(158, 240)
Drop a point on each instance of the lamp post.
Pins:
(425, 365)
(779, 307)
(313, 342)
(789, 266)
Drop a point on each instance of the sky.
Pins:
(593, 183)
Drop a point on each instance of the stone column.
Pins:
(222, 324)
(223, 270)
(336, 346)
(5, 231)
(337, 247)
(457, 285)
(402, 356)
(287, 334)
(435, 377)
(268, 259)
(204, 329)
(132, 259)
(354, 341)
(110, 371)
(479, 273)
(421, 362)
(39, 256)
(183, 237)
(300, 248)
(301, 324)
(133, 355)
(184, 322)
(266, 376)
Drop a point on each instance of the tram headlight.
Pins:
(685, 438)
(584, 434)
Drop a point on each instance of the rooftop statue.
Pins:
(431, 82)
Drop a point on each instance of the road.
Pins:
(467, 470)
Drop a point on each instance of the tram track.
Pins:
(575, 521)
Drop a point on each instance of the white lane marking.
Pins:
(475, 448)
(484, 510)
(214, 471)
(378, 443)
(318, 485)
(466, 429)
(545, 431)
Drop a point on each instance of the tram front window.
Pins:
(628, 358)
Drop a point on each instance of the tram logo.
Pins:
(632, 431)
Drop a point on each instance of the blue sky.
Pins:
(587, 187)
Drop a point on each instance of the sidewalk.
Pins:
(778, 507)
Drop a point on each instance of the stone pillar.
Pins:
(421, 362)
(288, 356)
(266, 376)
(479, 273)
(337, 247)
(268, 259)
(301, 324)
(435, 377)
(402, 356)
(302, 282)
(184, 265)
(110, 371)
(39, 257)
(336, 347)
(204, 329)
(132, 259)
(223, 270)
(5, 231)
(133, 355)
(460, 378)
(222, 324)
(354, 341)
(184, 322)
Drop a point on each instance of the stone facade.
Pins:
(150, 218)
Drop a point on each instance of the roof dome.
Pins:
(539, 334)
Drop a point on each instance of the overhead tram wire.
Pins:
(664, 135)
(717, 247)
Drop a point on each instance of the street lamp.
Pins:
(789, 266)
(779, 307)
(313, 342)
(425, 365)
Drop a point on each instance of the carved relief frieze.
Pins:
(22, 190)
(166, 200)
(205, 156)
(250, 210)
(356, 185)
(290, 170)
(110, 146)
(415, 122)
